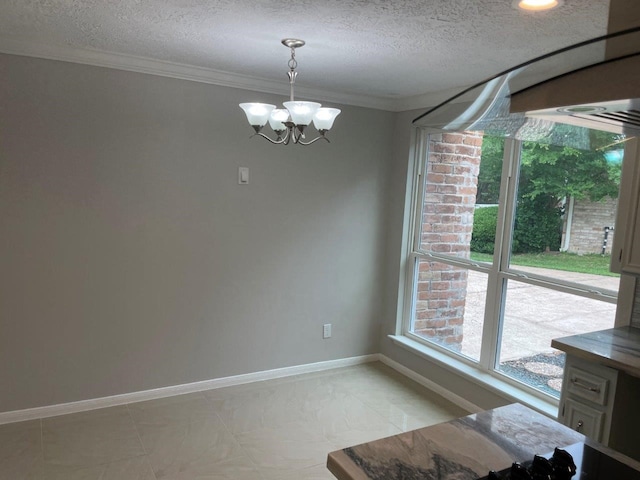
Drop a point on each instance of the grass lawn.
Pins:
(570, 262)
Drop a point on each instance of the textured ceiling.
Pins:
(382, 49)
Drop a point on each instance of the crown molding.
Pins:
(425, 100)
(150, 66)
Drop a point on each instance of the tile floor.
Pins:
(273, 430)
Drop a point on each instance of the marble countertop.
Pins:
(618, 348)
(463, 449)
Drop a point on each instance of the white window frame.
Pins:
(497, 274)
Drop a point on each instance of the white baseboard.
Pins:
(434, 387)
(95, 403)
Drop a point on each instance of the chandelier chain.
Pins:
(292, 62)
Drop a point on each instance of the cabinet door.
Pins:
(625, 253)
(583, 419)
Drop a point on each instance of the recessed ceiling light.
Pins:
(537, 5)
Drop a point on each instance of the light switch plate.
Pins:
(243, 175)
(326, 330)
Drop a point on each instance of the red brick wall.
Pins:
(448, 207)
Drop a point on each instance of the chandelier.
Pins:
(289, 123)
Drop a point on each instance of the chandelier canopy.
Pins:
(289, 123)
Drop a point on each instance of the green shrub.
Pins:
(538, 227)
(484, 229)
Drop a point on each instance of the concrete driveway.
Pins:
(535, 315)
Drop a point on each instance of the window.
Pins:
(510, 248)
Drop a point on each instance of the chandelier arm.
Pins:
(287, 137)
(319, 137)
(275, 142)
(296, 134)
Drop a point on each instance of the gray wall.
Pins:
(131, 259)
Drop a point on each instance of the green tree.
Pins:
(490, 170)
(549, 174)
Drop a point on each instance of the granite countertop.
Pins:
(463, 449)
(618, 348)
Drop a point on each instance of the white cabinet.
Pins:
(583, 419)
(589, 382)
(625, 255)
(587, 400)
(601, 403)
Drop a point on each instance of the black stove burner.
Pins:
(590, 464)
(559, 467)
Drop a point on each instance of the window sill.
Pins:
(510, 392)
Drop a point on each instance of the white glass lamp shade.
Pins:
(257, 113)
(302, 112)
(277, 119)
(324, 117)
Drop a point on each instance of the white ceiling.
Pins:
(390, 54)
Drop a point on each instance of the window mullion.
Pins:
(496, 288)
(415, 222)
(419, 174)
